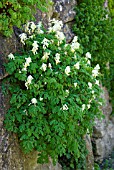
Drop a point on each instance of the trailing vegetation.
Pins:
(95, 30)
(55, 94)
(18, 12)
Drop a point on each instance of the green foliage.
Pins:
(96, 34)
(68, 161)
(14, 12)
(96, 166)
(55, 94)
(111, 7)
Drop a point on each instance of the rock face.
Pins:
(103, 132)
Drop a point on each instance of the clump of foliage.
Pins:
(14, 12)
(55, 93)
(95, 30)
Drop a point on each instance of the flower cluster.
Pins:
(35, 47)
(95, 71)
(27, 63)
(57, 87)
(55, 25)
(29, 81)
(23, 37)
(11, 56)
(75, 45)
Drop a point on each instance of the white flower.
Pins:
(35, 44)
(41, 99)
(11, 56)
(95, 73)
(35, 47)
(67, 70)
(83, 107)
(34, 101)
(107, 16)
(34, 50)
(27, 63)
(95, 70)
(88, 106)
(88, 62)
(88, 55)
(26, 26)
(31, 36)
(45, 43)
(75, 84)
(97, 82)
(65, 107)
(56, 72)
(60, 36)
(43, 67)
(24, 68)
(90, 100)
(30, 26)
(33, 26)
(67, 93)
(75, 39)
(75, 46)
(90, 85)
(55, 25)
(49, 65)
(28, 60)
(93, 92)
(23, 37)
(29, 79)
(97, 67)
(57, 58)
(77, 65)
(45, 56)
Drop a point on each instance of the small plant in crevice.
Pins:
(55, 93)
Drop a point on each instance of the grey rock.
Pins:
(68, 33)
(103, 131)
(90, 156)
(65, 9)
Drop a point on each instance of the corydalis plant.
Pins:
(55, 92)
